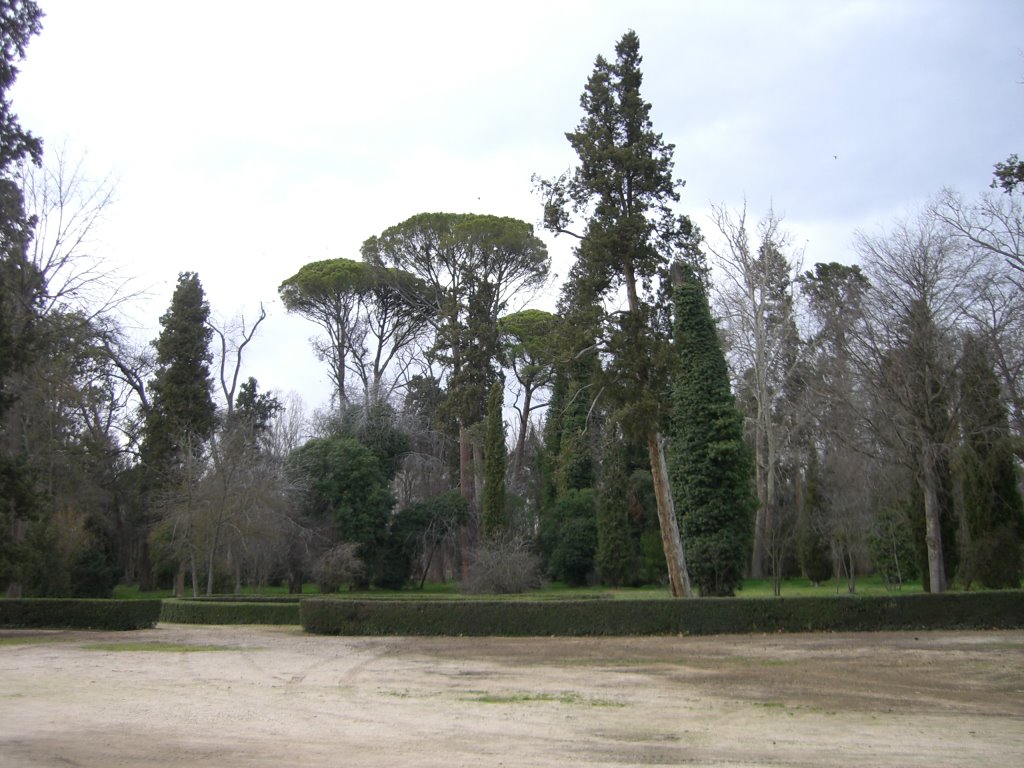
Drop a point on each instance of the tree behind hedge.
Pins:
(617, 555)
(495, 517)
(710, 465)
(993, 510)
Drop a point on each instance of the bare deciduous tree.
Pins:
(922, 282)
(755, 299)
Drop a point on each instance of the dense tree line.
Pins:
(696, 411)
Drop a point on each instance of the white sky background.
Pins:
(252, 137)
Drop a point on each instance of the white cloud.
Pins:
(252, 137)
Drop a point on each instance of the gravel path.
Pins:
(249, 696)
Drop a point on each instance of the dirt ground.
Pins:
(277, 697)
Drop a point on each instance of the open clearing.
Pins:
(248, 696)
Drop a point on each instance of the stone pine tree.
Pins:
(469, 268)
(710, 464)
(624, 185)
(993, 510)
(495, 516)
(528, 350)
(20, 285)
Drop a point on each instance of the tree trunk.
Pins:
(675, 558)
(524, 424)
(932, 520)
(760, 462)
(195, 574)
(14, 588)
(210, 561)
(466, 486)
(179, 580)
(145, 565)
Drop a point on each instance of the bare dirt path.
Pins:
(277, 697)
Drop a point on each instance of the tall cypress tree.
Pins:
(710, 465)
(182, 415)
(617, 554)
(993, 509)
(495, 518)
(625, 183)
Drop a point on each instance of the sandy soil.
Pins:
(276, 697)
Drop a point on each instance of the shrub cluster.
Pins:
(56, 613)
(229, 611)
(503, 566)
(662, 617)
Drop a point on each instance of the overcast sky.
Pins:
(252, 137)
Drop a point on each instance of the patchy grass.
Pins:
(798, 587)
(31, 640)
(159, 647)
(565, 697)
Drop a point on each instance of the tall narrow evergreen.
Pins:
(710, 465)
(182, 413)
(617, 554)
(495, 517)
(625, 184)
(993, 510)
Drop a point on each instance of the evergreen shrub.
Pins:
(708, 616)
(228, 611)
(59, 613)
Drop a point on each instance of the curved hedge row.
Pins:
(198, 611)
(61, 613)
(710, 616)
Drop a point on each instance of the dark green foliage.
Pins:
(1009, 176)
(625, 189)
(68, 566)
(625, 181)
(495, 516)
(346, 299)
(891, 543)
(813, 550)
(993, 509)
(21, 20)
(21, 285)
(568, 536)
(617, 555)
(182, 414)
(19, 505)
(242, 611)
(469, 266)
(49, 613)
(425, 527)
(93, 575)
(347, 486)
(710, 466)
(375, 426)
(254, 410)
(984, 610)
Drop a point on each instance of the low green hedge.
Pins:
(61, 613)
(663, 617)
(202, 611)
(244, 598)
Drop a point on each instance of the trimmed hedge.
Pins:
(203, 611)
(61, 613)
(244, 598)
(1003, 610)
